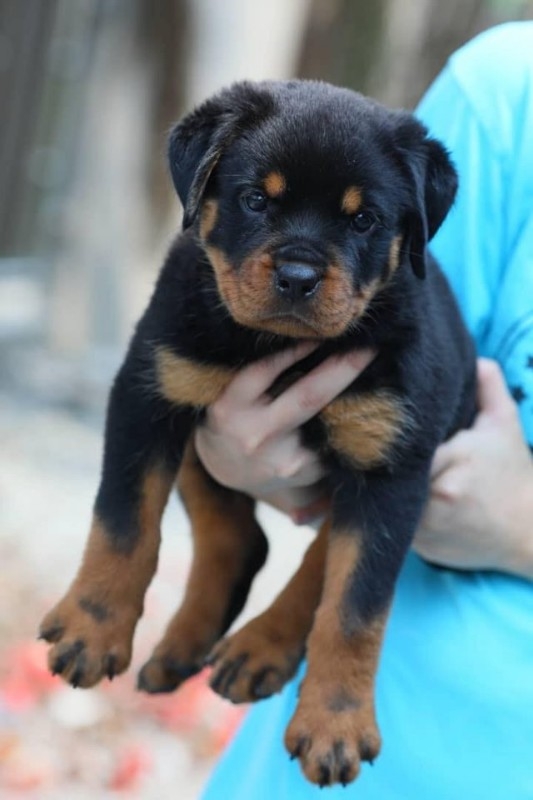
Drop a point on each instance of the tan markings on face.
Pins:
(208, 218)
(274, 184)
(339, 304)
(364, 428)
(185, 382)
(252, 301)
(250, 297)
(351, 200)
(394, 254)
(336, 701)
(248, 292)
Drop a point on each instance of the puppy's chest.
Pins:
(362, 427)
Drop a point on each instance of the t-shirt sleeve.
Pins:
(469, 243)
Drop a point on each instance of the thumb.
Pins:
(445, 457)
(493, 396)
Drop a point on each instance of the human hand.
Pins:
(481, 504)
(251, 442)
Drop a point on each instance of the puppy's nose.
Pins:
(297, 282)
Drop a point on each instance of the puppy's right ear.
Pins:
(199, 140)
(432, 181)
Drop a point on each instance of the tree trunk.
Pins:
(390, 49)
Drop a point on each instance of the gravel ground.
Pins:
(57, 742)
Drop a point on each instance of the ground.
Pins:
(57, 742)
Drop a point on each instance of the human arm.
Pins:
(480, 514)
(481, 505)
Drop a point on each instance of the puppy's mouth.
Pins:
(295, 298)
(286, 323)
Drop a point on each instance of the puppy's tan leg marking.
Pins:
(334, 727)
(92, 626)
(229, 548)
(261, 657)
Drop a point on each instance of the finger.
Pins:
(492, 393)
(445, 457)
(303, 469)
(254, 380)
(308, 396)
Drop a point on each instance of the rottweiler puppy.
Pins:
(307, 213)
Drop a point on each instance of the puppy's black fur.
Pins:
(307, 212)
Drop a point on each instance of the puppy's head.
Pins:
(308, 200)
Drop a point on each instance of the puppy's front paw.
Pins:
(254, 663)
(91, 640)
(331, 732)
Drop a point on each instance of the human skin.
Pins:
(481, 502)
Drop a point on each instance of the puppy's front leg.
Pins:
(334, 726)
(92, 627)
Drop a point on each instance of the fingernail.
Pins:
(306, 346)
(362, 358)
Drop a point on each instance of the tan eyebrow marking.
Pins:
(351, 200)
(274, 184)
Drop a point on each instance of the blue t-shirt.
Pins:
(455, 683)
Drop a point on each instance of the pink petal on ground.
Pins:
(133, 762)
(16, 694)
(32, 659)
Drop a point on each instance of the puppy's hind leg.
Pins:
(229, 549)
(257, 660)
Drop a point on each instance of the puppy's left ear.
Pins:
(199, 140)
(440, 185)
(434, 186)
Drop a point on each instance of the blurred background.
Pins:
(88, 91)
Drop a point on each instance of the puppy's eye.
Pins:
(363, 221)
(255, 200)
